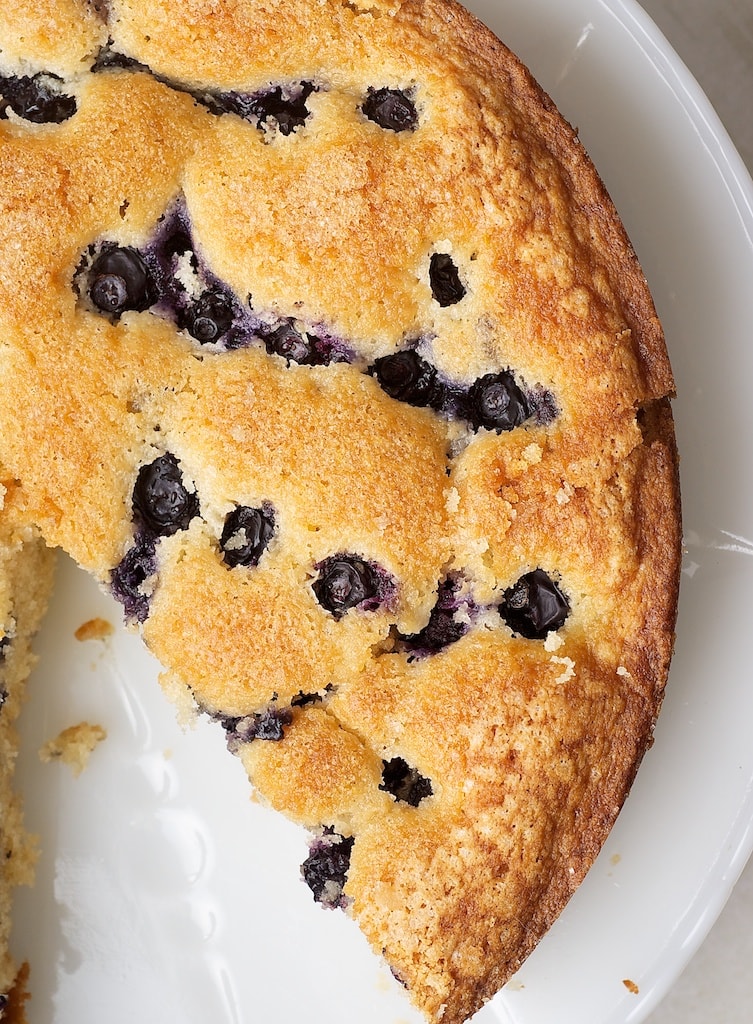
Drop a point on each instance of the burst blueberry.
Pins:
(283, 106)
(128, 578)
(444, 278)
(269, 724)
(325, 870)
(161, 502)
(404, 782)
(534, 606)
(246, 535)
(344, 582)
(287, 108)
(391, 108)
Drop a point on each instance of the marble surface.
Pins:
(715, 40)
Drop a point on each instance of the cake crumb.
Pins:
(453, 500)
(568, 671)
(553, 642)
(73, 745)
(564, 494)
(631, 986)
(622, 671)
(94, 629)
(532, 453)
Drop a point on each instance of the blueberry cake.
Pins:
(335, 366)
(25, 582)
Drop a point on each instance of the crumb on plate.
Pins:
(73, 745)
(94, 629)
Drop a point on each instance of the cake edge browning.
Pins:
(646, 667)
(609, 238)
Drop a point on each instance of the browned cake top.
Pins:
(324, 349)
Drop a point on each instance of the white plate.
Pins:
(166, 896)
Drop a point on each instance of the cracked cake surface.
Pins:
(324, 350)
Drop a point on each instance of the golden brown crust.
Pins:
(529, 745)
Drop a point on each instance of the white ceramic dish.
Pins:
(165, 895)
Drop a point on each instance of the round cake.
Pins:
(323, 348)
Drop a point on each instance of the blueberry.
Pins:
(344, 582)
(409, 378)
(446, 286)
(534, 606)
(391, 108)
(496, 402)
(287, 108)
(406, 784)
(443, 628)
(285, 341)
(302, 699)
(267, 725)
(37, 99)
(129, 576)
(325, 870)
(270, 723)
(108, 58)
(210, 316)
(440, 631)
(246, 535)
(160, 500)
(120, 280)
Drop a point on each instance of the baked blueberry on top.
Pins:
(391, 108)
(444, 278)
(246, 534)
(534, 605)
(344, 582)
(119, 280)
(161, 501)
(404, 782)
(496, 402)
(409, 378)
